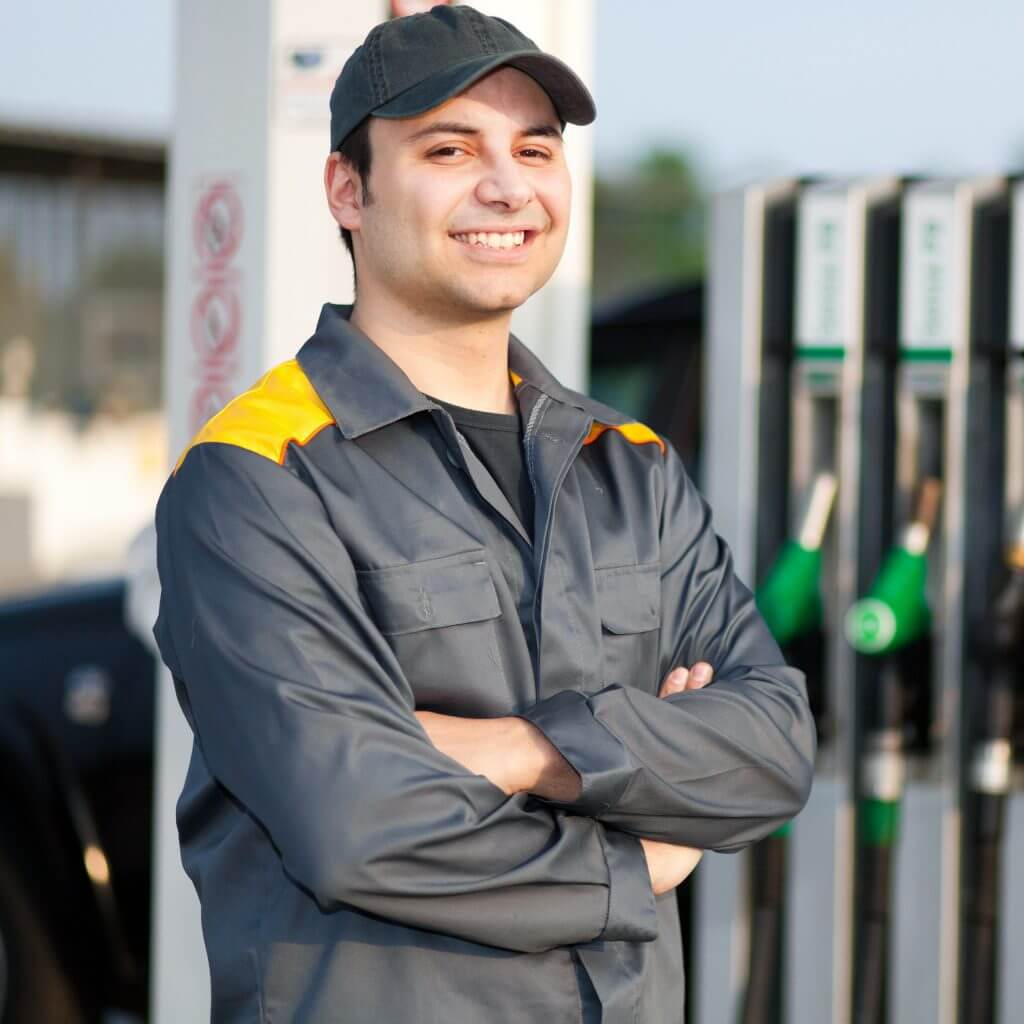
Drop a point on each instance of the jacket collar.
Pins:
(365, 389)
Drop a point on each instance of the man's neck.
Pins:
(465, 364)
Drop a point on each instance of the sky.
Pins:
(748, 87)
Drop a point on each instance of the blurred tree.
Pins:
(648, 225)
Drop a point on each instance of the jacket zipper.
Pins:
(541, 550)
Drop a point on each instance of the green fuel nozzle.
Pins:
(895, 610)
(790, 597)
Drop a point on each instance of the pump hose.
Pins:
(878, 823)
(983, 914)
(762, 999)
(870, 997)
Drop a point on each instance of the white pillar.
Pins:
(253, 253)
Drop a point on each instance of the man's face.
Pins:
(485, 167)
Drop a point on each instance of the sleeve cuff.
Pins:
(602, 760)
(632, 913)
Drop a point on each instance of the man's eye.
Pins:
(533, 153)
(447, 151)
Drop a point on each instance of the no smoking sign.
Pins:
(216, 322)
(217, 225)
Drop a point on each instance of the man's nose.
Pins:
(505, 183)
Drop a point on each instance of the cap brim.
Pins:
(568, 94)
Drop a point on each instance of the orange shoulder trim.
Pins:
(280, 408)
(634, 433)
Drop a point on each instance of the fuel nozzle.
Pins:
(790, 597)
(895, 610)
(1002, 653)
(1006, 625)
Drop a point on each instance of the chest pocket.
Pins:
(629, 603)
(439, 617)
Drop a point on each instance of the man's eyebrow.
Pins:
(544, 130)
(443, 128)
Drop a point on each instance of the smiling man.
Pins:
(442, 627)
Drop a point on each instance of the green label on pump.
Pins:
(927, 316)
(871, 626)
(896, 610)
(821, 274)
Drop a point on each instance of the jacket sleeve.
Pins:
(716, 768)
(304, 715)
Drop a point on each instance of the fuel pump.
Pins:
(994, 599)
(908, 630)
(749, 327)
(802, 311)
(1010, 987)
(889, 899)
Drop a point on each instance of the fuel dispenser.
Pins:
(994, 664)
(868, 473)
(1010, 931)
(748, 362)
(847, 249)
(796, 274)
(909, 627)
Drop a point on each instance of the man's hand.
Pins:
(515, 755)
(680, 679)
(668, 864)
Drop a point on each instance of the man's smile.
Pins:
(500, 245)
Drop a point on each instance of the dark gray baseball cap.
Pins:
(409, 65)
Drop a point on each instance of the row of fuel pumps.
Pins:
(865, 460)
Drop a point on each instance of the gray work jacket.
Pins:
(333, 557)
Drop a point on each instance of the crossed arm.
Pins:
(518, 758)
(302, 712)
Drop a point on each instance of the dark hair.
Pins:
(355, 151)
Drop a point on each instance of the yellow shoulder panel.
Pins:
(634, 433)
(280, 408)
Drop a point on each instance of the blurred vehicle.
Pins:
(76, 743)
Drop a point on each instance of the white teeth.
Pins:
(493, 240)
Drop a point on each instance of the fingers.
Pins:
(701, 675)
(675, 682)
(681, 678)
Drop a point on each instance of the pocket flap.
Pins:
(628, 597)
(427, 595)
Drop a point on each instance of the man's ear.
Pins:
(344, 192)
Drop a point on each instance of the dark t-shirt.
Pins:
(497, 440)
